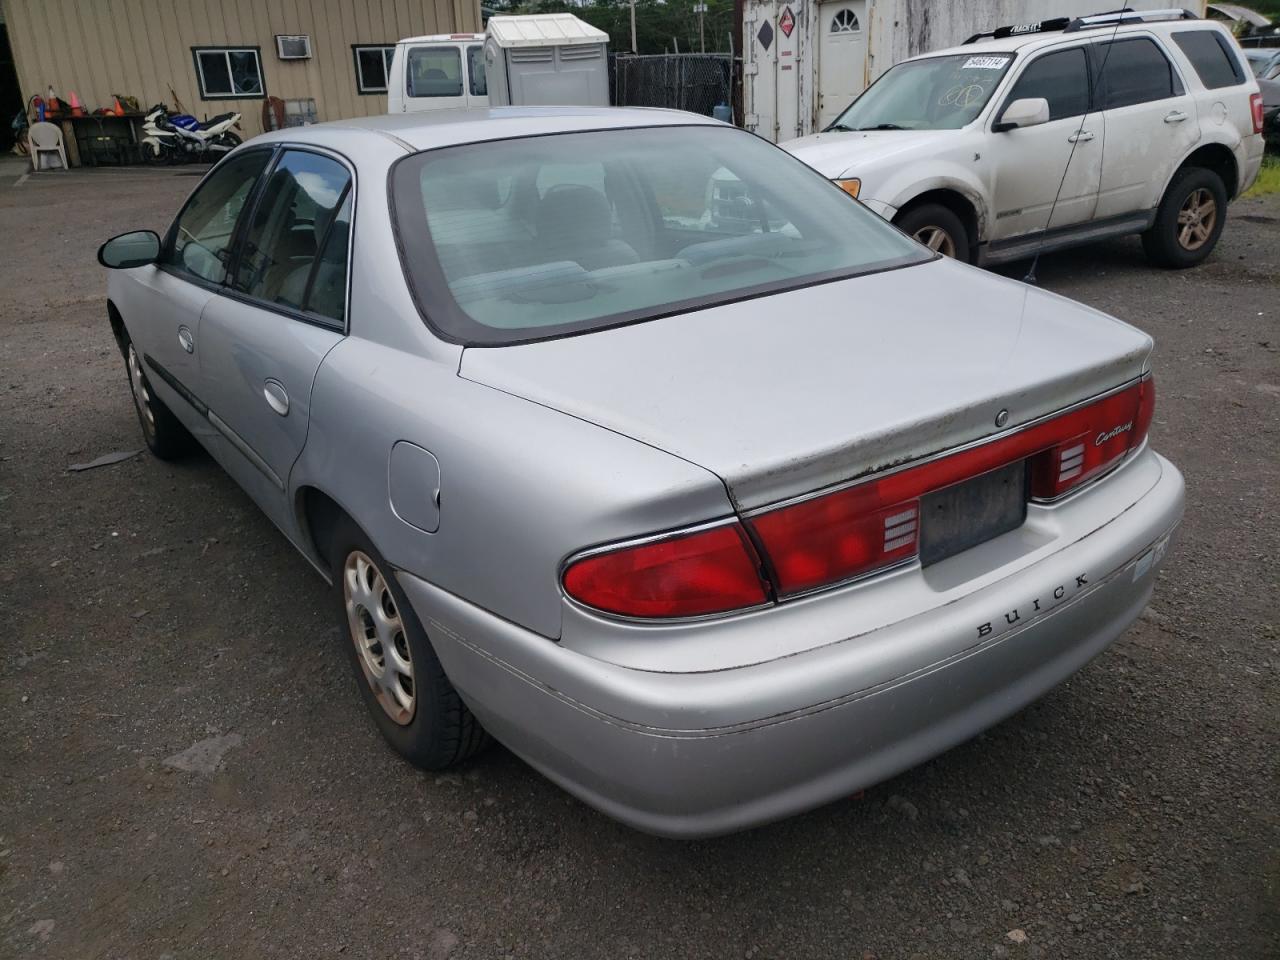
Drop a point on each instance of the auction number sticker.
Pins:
(984, 63)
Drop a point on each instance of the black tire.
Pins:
(230, 139)
(439, 731)
(923, 223)
(1165, 242)
(166, 437)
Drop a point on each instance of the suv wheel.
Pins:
(1189, 220)
(401, 680)
(937, 228)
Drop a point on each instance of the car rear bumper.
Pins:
(622, 739)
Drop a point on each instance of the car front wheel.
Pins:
(166, 437)
(937, 228)
(1189, 220)
(412, 702)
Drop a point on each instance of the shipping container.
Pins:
(804, 61)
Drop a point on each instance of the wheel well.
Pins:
(318, 515)
(954, 202)
(1219, 159)
(117, 325)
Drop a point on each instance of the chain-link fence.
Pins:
(696, 82)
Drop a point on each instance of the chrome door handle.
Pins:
(277, 397)
(1177, 116)
(1079, 136)
(186, 340)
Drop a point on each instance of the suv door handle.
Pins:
(277, 397)
(1177, 116)
(1080, 135)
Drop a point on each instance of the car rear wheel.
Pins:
(937, 228)
(166, 437)
(401, 681)
(1189, 220)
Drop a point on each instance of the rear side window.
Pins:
(1062, 78)
(295, 251)
(434, 72)
(1134, 71)
(1210, 53)
(475, 69)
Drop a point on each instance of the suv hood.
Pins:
(789, 393)
(840, 153)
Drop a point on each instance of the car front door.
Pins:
(165, 320)
(263, 339)
(1150, 121)
(1046, 176)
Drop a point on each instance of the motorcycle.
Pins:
(173, 138)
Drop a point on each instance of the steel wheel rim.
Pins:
(937, 240)
(378, 632)
(1196, 219)
(141, 392)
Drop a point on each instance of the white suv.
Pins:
(1054, 134)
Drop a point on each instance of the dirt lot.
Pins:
(1134, 812)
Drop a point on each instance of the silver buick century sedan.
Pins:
(627, 439)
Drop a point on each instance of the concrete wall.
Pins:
(143, 47)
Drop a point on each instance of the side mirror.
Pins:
(135, 249)
(1027, 112)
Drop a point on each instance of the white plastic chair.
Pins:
(45, 138)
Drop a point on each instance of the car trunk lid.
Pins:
(786, 394)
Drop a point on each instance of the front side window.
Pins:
(200, 240)
(295, 219)
(536, 237)
(433, 72)
(229, 73)
(1061, 77)
(1210, 54)
(373, 67)
(475, 70)
(1134, 71)
(938, 93)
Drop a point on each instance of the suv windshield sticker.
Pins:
(984, 63)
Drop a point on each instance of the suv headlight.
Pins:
(851, 186)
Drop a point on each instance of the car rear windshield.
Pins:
(1210, 53)
(535, 237)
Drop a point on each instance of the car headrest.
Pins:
(569, 211)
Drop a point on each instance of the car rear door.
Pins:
(263, 339)
(477, 78)
(1150, 119)
(163, 316)
(434, 77)
(1047, 176)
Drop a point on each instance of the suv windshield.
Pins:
(523, 239)
(940, 93)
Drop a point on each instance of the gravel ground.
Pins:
(188, 772)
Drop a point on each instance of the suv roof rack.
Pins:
(1091, 22)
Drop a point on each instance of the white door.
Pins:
(788, 33)
(842, 56)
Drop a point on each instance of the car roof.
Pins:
(441, 38)
(1027, 42)
(442, 128)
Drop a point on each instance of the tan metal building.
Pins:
(220, 55)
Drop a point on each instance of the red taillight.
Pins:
(689, 575)
(852, 532)
(1255, 104)
(874, 524)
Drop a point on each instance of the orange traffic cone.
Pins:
(77, 110)
(116, 108)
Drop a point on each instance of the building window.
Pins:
(229, 73)
(373, 67)
(845, 21)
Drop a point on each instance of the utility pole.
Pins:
(700, 9)
(633, 27)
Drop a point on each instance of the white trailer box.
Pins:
(551, 59)
(805, 60)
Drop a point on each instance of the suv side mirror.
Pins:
(135, 249)
(1027, 112)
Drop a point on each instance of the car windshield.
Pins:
(522, 239)
(940, 93)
